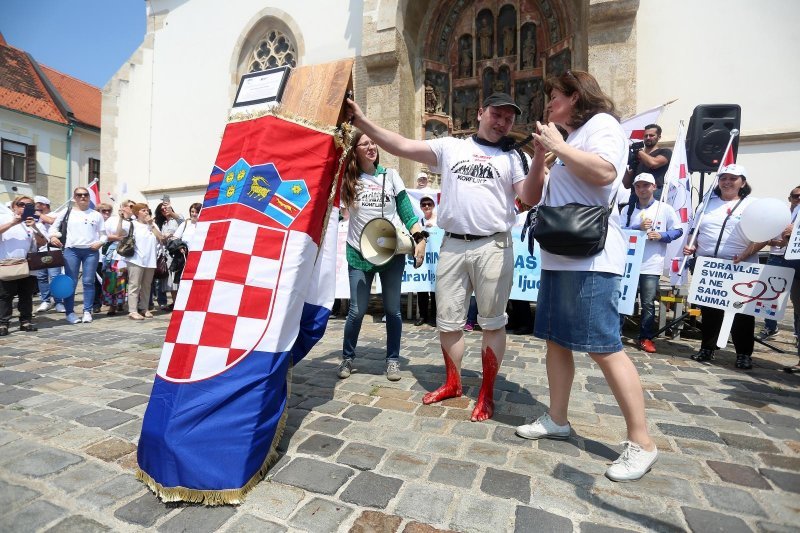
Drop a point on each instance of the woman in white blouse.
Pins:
(142, 265)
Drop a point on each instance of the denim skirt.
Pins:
(578, 310)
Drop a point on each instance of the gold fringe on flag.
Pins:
(225, 496)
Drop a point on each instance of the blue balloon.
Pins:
(62, 286)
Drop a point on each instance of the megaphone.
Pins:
(380, 241)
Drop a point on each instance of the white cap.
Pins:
(734, 169)
(645, 177)
(41, 200)
(422, 175)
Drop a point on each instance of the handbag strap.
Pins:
(724, 222)
(610, 204)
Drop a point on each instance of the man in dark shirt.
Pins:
(650, 159)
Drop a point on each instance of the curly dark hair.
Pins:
(591, 98)
(159, 218)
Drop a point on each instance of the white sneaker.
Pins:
(72, 318)
(60, 308)
(634, 463)
(544, 428)
(87, 317)
(46, 306)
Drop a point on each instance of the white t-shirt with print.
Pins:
(16, 241)
(733, 240)
(367, 204)
(601, 135)
(477, 186)
(654, 251)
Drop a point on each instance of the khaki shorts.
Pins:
(485, 266)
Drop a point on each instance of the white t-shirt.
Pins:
(477, 186)
(601, 135)
(733, 240)
(185, 232)
(111, 229)
(653, 258)
(367, 204)
(84, 228)
(16, 241)
(145, 250)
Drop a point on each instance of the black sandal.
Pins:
(28, 327)
(3, 331)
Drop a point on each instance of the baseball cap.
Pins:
(422, 176)
(736, 170)
(41, 200)
(645, 177)
(427, 197)
(501, 99)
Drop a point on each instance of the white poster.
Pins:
(635, 241)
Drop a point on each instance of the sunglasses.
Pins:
(23, 204)
(794, 196)
(105, 210)
(426, 204)
(81, 195)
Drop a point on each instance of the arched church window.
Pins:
(274, 49)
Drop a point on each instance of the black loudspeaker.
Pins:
(709, 133)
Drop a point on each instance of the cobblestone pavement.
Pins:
(364, 454)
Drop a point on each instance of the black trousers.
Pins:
(741, 332)
(423, 299)
(23, 288)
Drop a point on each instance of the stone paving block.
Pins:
(700, 520)
(736, 414)
(788, 481)
(321, 515)
(78, 524)
(14, 377)
(371, 490)
(691, 409)
(361, 456)
(111, 449)
(781, 461)
(776, 419)
(314, 476)
(327, 424)
(376, 522)
(778, 432)
(452, 472)
(530, 519)
(32, 517)
(505, 435)
(16, 395)
(605, 409)
(406, 464)
(471, 430)
(425, 502)
(770, 527)
(322, 445)
(129, 431)
(739, 474)
(113, 491)
(123, 384)
(361, 413)
(198, 519)
(144, 511)
(731, 499)
(746, 442)
(487, 453)
(471, 514)
(446, 446)
(82, 476)
(12, 496)
(247, 523)
(30, 423)
(689, 432)
(104, 419)
(674, 397)
(504, 484)
(126, 403)
(275, 499)
(43, 462)
(565, 447)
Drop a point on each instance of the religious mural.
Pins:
(476, 48)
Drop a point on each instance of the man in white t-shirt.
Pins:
(481, 176)
(661, 223)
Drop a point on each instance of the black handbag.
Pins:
(162, 270)
(573, 230)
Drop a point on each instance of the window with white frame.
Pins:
(18, 162)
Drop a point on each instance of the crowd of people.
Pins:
(88, 237)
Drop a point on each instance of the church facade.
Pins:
(422, 68)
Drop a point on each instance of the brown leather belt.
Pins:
(467, 237)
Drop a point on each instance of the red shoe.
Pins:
(647, 345)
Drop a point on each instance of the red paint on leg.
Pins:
(484, 407)
(452, 383)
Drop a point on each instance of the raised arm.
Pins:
(392, 142)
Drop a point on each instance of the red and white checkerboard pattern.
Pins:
(226, 299)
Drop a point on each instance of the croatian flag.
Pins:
(634, 126)
(94, 194)
(254, 298)
(678, 183)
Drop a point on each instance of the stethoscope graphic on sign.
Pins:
(776, 285)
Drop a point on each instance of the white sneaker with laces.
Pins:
(72, 318)
(544, 428)
(60, 308)
(45, 306)
(393, 371)
(345, 368)
(87, 317)
(632, 464)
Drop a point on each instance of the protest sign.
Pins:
(793, 248)
(635, 241)
(747, 288)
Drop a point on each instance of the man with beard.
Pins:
(650, 159)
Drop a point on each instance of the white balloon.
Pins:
(765, 219)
